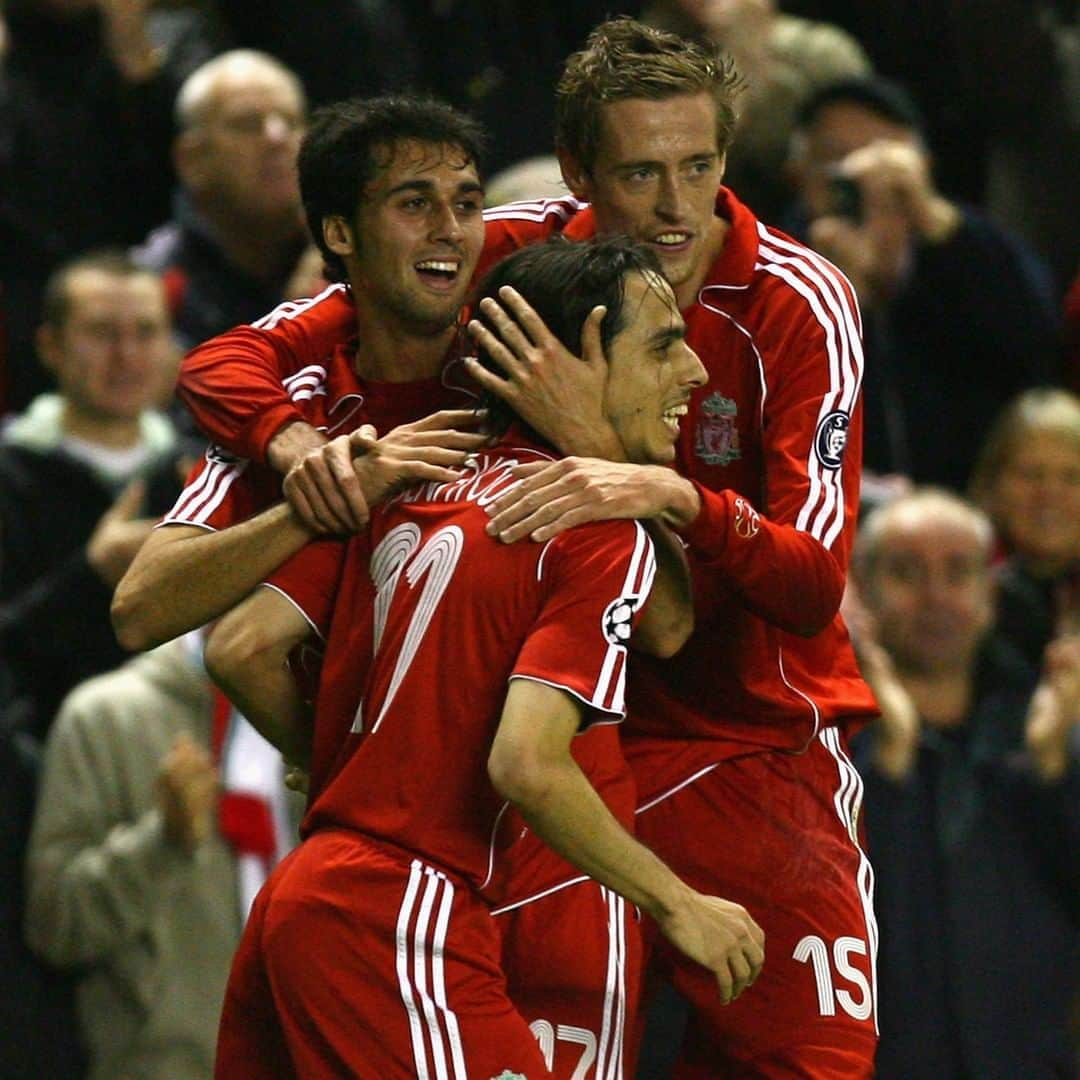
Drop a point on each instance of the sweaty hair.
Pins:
(625, 59)
(56, 299)
(346, 144)
(563, 280)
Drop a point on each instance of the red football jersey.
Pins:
(773, 441)
(430, 619)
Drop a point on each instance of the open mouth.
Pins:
(672, 416)
(673, 240)
(438, 274)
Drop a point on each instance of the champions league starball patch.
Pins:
(831, 439)
(618, 619)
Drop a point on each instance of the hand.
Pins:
(896, 733)
(431, 449)
(1055, 708)
(118, 535)
(187, 789)
(553, 497)
(558, 394)
(324, 490)
(127, 38)
(721, 936)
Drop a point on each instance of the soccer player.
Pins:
(393, 196)
(372, 951)
(739, 743)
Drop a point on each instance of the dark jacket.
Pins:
(977, 895)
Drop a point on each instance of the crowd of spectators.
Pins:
(148, 201)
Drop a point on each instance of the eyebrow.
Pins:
(426, 187)
(662, 339)
(704, 155)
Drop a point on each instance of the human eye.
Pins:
(414, 203)
(471, 204)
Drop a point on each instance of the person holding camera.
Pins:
(959, 315)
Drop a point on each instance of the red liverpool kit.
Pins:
(453, 616)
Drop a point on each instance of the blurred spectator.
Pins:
(79, 471)
(972, 807)
(958, 315)
(783, 59)
(999, 84)
(1027, 478)
(130, 879)
(238, 233)
(86, 96)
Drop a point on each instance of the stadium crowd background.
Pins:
(972, 324)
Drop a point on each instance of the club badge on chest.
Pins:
(716, 438)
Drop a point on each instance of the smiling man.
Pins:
(739, 743)
(392, 193)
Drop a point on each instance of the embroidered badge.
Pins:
(747, 519)
(716, 440)
(831, 439)
(617, 622)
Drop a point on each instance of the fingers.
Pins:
(312, 491)
(547, 519)
(128, 504)
(489, 381)
(527, 318)
(498, 352)
(509, 329)
(592, 349)
(445, 418)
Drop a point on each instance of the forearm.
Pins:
(564, 810)
(262, 686)
(668, 619)
(86, 900)
(179, 584)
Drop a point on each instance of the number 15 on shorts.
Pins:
(854, 998)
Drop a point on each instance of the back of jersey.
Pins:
(439, 617)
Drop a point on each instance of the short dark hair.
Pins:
(338, 156)
(887, 99)
(56, 299)
(563, 280)
(624, 59)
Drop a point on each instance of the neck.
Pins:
(687, 292)
(116, 434)
(266, 248)
(942, 698)
(393, 353)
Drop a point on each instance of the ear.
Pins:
(338, 235)
(574, 175)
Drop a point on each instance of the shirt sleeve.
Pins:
(595, 582)
(220, 491)
(310, 580)
(236, 385)
(786, 558)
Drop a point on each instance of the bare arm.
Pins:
(247, 656)
(531, 764)
(183, 576)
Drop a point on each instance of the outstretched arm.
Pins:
(531, 765)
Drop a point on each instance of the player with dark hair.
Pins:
(458, 672)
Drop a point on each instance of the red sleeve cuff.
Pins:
(707, 534)
(265, 425)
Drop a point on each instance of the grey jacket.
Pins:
(152, 929)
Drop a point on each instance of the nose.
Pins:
(669, 198)
(445, 224)
(695, 375)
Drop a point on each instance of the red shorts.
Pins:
(357, 961)
(778, 833)
(573, 970)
